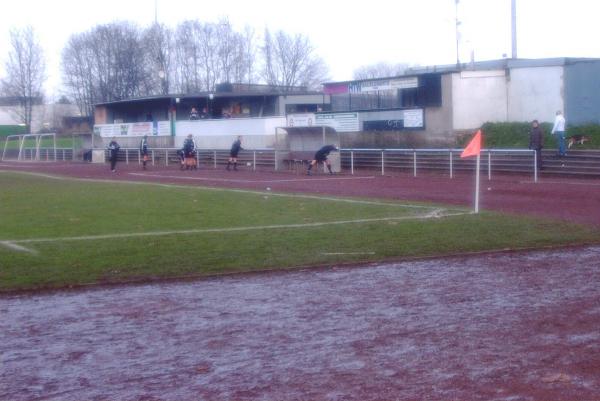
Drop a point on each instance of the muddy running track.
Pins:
(496, 327)
(520, 326)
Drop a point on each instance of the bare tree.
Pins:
(380, 70)
(188, 56)
(105, 64)
(246, 57)
(291, 61)
(207, 54)
(78, 72)
(25, 73)
(159, 48)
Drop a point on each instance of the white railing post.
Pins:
(352, 162)
(215, 159)
(254, 160)
(153, 157)
(451, 167)
(382, 163)
(139, 156)
(535, 169)
(167, 157)
(126, 156)
(414, 164)
(489, 165)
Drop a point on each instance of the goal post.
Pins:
(29, 147)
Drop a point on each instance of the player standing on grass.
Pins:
(144, 150)
(113, 147)
(233, 153)
(321, 157)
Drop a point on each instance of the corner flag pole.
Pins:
(474, 149)
(477, 184)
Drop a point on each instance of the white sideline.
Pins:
(237, 180)
(431, 215)
(243, 191)
(347, 253)
(541, 182)
(11, 245)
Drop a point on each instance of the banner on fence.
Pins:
(157, 128)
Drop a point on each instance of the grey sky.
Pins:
(347, 34)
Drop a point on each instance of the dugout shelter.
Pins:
(296, 146)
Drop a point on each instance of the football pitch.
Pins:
(59, 232)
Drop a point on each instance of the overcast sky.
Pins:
(346, 34)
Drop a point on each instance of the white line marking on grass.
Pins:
(242, 191)
(238, 180)
(11, 245)
(347, 253)
(432, 215)
(17, 166)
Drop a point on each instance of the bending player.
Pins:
(321, 157)
(233, 153)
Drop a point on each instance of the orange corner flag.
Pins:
(474, 147)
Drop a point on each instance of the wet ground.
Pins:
(513, 326)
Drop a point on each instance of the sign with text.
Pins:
(341, 122)
(386, 84)
(301, 120)
(406, 120)
(413, 118)
(159, 128)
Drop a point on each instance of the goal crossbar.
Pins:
(37, 138)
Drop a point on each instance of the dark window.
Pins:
(409, 97)
(430, 90)
(427, 94)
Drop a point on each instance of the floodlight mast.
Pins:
(156, 12)
(456, 31)
(513, 13)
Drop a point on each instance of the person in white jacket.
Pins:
(559, 130)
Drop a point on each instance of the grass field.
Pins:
(60, 232)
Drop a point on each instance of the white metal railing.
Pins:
(451, 153)
(382, 159)
(162, 156)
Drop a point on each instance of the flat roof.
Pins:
(206, 94)
(478, 66)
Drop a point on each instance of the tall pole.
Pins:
(477, 164)
(156, 11)
(456, 31)
(513, 15)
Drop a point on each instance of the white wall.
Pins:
(478, 97)
(219, 134)
(535, 93)
(49, 115)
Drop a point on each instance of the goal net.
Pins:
(29, 147)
